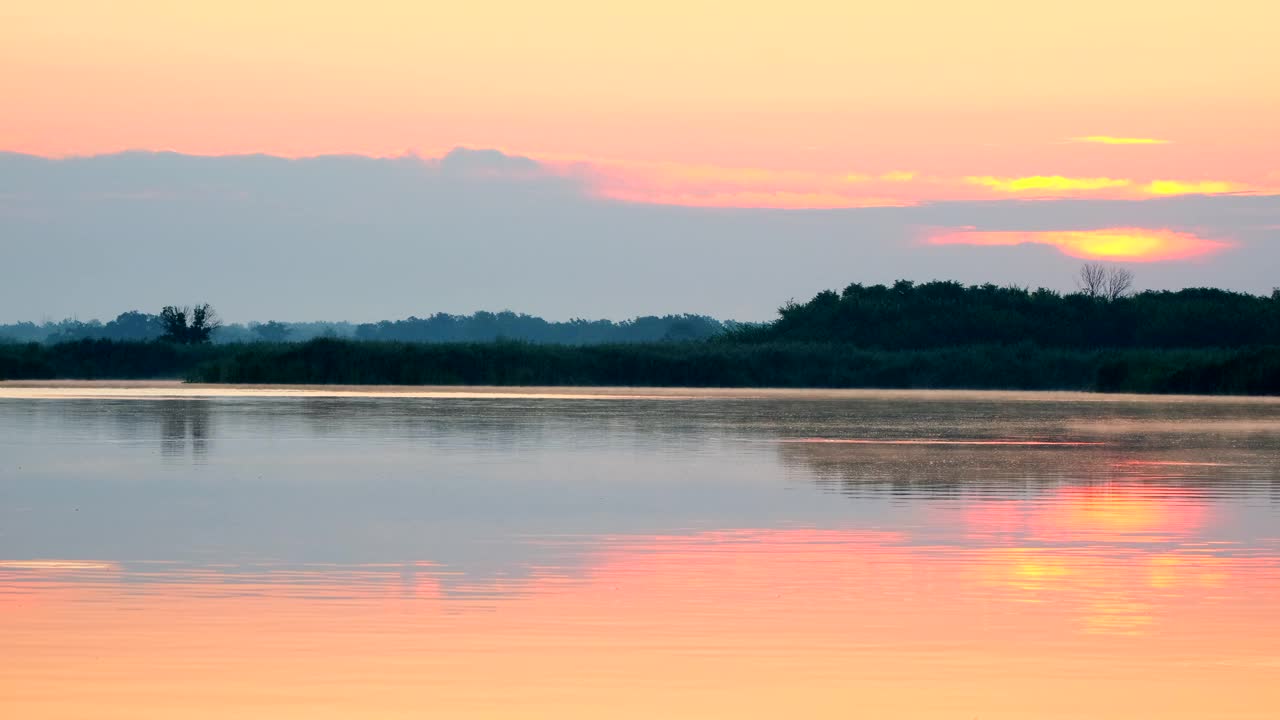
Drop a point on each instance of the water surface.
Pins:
(181, 552)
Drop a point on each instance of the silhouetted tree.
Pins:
(1119, 282)
(1104, 283)
(174, 322)
(1092, 280)
(198, 329)
(203, 322)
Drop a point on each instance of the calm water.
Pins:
(905, 555)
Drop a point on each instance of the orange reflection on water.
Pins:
(1112, 597)
(1116, 510)
(56, 565)
(738, 624)
(1111, 512)
(1113, 594)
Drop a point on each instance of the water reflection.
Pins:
(184, 426)
(745, 623)
(325, 557)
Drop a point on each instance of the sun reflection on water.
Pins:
(746, 621)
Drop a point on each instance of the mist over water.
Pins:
(211, 553)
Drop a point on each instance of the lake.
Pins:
(199, 552)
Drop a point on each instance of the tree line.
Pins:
(933, 334)
(905, 315)
(440, 327)
(939, 314)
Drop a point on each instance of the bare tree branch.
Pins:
(1092, 279)
(1118, 283)
(1104, 283)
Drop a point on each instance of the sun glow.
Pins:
(1052, 183)
(1208, 187)
(753, 187)
(1112, 140)
(1122, 244)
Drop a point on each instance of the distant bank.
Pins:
(931, 335)
(1244, 371)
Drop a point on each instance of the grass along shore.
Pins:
(1244, 371)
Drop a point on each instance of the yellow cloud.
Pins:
(1126, 244)
(1111, 140)
(1173, 187)
(748, 198)
(718, 186)
(1045, 182)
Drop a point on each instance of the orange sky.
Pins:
(802, 104)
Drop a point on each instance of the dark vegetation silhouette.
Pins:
(441, 327)
(730, 364)
(272, 331)
(485, 326)
(935, 334)
(96, 359)
(692, 364)
(940, 314)
(132, 325)
(188, 325)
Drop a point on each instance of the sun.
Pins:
(1127, 244)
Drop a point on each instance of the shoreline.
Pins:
(179, 390)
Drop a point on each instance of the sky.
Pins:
(685, 156)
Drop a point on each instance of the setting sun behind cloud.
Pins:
(1113, 140)
(1120, 244)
